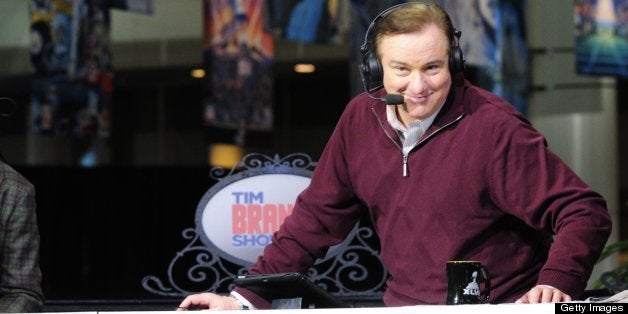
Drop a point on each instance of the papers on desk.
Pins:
(621, 297)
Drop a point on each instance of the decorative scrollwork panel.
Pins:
(353, 268)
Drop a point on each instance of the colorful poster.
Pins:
(71, 55)
(601, 28)
(72, 85)
(238, 55)
(308, 21)
(73, 81)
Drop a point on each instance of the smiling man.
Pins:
(452, 172)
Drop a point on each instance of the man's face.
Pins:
(416, 65)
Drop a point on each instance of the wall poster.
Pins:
(238, 53)
(601, 28)
(72, 86)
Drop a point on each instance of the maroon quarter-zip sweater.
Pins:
(482, 185)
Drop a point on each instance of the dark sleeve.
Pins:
(20, 275)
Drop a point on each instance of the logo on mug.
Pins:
(472, 288)
(464, 282)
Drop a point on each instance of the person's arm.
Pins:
(20, 275)
(323, 215)
(533, 184)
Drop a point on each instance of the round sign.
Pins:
(237, 217)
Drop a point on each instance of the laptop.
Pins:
(283, 289)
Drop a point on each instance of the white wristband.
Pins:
(243, 304)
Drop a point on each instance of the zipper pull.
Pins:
(405, 165)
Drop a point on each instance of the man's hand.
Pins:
(544, 294)
(208, 301)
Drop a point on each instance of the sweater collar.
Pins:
(450, 111)
(453, 108)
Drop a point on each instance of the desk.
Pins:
(545, 308)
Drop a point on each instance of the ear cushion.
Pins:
(456, 60)
(371, 68)
(375, 68)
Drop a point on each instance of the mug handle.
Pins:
(487, 285)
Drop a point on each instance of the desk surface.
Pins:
(439, 309)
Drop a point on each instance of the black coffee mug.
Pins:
(463, 282)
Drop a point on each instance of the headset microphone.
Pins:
(389, 99)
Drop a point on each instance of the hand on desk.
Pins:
(544, 294)
(208, 300)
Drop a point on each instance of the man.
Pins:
(20, 275)
(451, 173)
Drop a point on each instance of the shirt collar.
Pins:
(395, 123)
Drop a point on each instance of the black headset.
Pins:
(371, 68)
